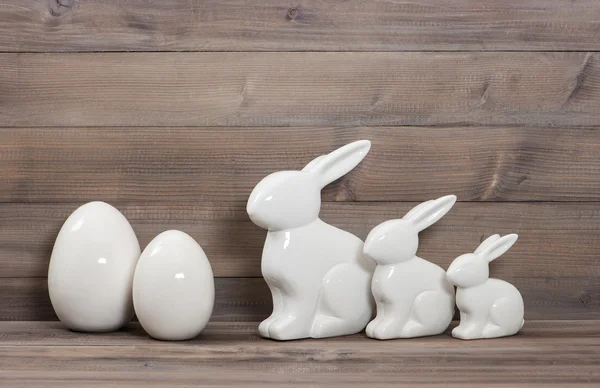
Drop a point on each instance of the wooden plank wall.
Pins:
(172, 111)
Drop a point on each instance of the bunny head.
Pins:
(472, 269)
(290, 199)
(395, 241)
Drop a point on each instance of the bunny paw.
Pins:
(413, 329)
(458, 332)
(263, 328)
(370, 329)
(287, 328)
(493, 331)
(466, 332)
(386, 329)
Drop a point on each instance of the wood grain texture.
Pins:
(556, 239)
(307, 25)
(236, 299)
(249, 299)
(544, 354)
(197, 165)
(557, 280)
(53, 333)
(299, 89)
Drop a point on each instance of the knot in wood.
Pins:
(60, 8)
(590, 298)
(292, 13)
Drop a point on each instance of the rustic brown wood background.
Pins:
(173, 110)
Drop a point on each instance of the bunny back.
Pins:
(304, 255)
(481, 298)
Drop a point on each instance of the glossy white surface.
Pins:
(317, 274)
(489, 308)
(173, 289)
(91, 269)
(413, 297)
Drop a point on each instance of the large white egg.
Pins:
(173, 287)
(91, 270)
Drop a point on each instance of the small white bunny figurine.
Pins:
(317, 274)
(413, 297)
(489, 308)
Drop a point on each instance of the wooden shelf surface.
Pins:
(545, 353)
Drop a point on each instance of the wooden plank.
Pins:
(543, 354)
(557, 239)
(310, 25)
(282, 377)
(53, 333)
(236, 299)
(168, 165)
(248, 299)
(300, 89)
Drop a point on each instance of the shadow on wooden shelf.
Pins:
(232, 354)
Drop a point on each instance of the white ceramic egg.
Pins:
(173, 287)
(90, 276)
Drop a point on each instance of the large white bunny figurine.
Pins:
(489, 308)
(413, 297)
(317, 274)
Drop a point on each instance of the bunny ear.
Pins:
(486, 243)
(414, 210)
(338, 163)
(313, 163)
(431, 212)
(499, 247)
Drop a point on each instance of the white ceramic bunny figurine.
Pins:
(413, 297)
(489, 308)
(317, 274)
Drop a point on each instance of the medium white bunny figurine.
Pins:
(413, 297)
(317, 274)
(489, 308)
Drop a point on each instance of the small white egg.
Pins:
(90, 276)
(173, 287)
